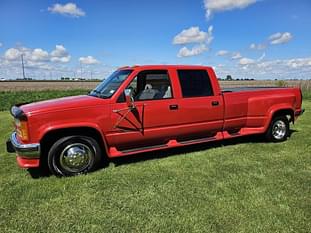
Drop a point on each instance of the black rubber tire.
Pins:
(269, 134)
(54, 154)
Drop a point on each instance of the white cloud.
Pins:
(12, 54)
(295, 68)
(89, 60)
(257, 46)
(299, 62)
(222, 53)
(233, 55)
(278, 66)
(40, 66)
(60, 54)
(196, 50)
(212, 6)
(39, 55)
(246, 61)
(69, 9)
(236, 55)
(261, 57)
(61, 59)
(35, 56)
(276, 38)
(59, 51)
(280, 38)
(286, 69)
(193, 35)
(252, 46)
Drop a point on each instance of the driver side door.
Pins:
(148, 123)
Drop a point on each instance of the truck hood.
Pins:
(62, 104)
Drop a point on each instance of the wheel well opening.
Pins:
(51, 137)
(289, 113)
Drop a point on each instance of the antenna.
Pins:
(24, 77)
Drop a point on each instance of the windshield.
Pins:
(111, 84)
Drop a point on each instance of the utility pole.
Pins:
(81, 68)
(24, 77)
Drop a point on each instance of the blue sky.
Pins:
(262, 39)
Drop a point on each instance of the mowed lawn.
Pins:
(236, 186)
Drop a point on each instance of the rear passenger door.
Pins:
(200, 109)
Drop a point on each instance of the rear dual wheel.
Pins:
(278, 130)
(74, 155)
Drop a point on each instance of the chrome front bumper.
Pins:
(30, 151)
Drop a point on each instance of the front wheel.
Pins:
(278, 130)
(73, 155)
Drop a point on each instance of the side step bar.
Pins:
(114, 152)
(144, 148)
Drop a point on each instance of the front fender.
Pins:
(45, 129)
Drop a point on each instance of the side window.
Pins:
(195, 83)
(151, 85)
(132, 86)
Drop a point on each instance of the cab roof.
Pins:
(150, 67)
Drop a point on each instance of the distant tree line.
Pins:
(49, 80)
(229, 78)
(24, 79)
(77, 79)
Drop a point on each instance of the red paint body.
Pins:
(196, 120)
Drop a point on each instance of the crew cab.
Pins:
(146, 108)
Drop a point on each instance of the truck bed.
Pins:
(239, 89)
(251, 108)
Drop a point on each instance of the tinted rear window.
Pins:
(195, 83)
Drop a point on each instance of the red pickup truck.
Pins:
(146, 108)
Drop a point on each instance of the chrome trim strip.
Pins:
(25, 150)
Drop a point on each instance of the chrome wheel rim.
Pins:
(279, 129)
(76, 157)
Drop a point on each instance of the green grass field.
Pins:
(9, 98)
(243, 185)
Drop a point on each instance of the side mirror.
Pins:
(129, 98)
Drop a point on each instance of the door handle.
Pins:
(173, 107)
(215, 103)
